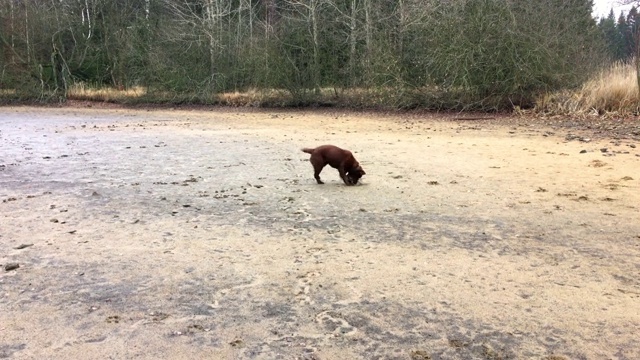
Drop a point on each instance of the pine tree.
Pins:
(613, 37)
(629, 31)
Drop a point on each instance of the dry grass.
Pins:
(328, 96)
(613, 91)
(253, 97)
(387, 98)
(80, 91)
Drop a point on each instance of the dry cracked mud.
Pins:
(192, 234)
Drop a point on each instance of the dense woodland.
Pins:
(485, 54)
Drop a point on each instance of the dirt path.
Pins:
(202, 234)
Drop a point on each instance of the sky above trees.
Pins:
(601, 8)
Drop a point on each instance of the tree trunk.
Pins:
(401, 27)
(13, 40)
(271, 14)
(368, 26)
(26, 27)
(637, 56)
(211, 9)
(241, 4)
(353, 41)
(316, 46)
(86, 4)
(251, 15)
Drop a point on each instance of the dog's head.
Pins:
(355, 174)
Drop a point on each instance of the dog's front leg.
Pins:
(344, 177)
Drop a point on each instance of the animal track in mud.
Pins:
(598, 164)
(336, 325)
(114, 319)
(157, 316)
(305, 282)
(242, 285)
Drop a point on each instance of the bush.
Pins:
(500, 53)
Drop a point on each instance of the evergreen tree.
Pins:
(630, 33)
(613, 37)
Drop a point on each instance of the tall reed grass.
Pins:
(614, 90)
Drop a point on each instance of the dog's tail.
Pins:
(308, 150)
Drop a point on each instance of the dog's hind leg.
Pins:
(318, 165)
(316, 174)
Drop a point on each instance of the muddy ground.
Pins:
(194, 234)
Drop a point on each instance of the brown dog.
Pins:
(343, 160)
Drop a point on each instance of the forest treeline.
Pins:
(454, 54)
(621, 34)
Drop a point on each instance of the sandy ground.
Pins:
(192, 234)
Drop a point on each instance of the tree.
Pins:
(612, 36)
(634, 32)
(500, 52)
